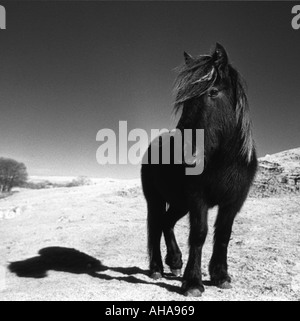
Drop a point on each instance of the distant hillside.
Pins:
(278, 174)
(288, 159)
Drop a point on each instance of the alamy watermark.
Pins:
(167, 147)
(296, 19)
(2, 17)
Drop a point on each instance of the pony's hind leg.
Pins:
(218, 268)
(156, 212)
(174, 256)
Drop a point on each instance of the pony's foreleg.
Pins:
(218, 263)
(156, 212)
(174, 256)
(192, 278)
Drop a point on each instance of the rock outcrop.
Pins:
(278, 174)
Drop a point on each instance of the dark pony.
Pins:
(210, 94)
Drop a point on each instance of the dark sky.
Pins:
(69, 69)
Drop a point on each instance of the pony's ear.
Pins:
(220, 57)
(188, 58)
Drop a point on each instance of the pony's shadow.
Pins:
(73, 261)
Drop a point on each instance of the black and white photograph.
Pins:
(149, 151)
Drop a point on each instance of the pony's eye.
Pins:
(213, 93)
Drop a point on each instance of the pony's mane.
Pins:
(193, 79)
(243, 116)
(196, 78)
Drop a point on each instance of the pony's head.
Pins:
(211, 94)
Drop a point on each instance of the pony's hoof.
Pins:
(156, 276)
(176, 272)
(192, 290)
(225, 285)
(195, 292)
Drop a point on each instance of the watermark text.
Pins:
(296, 19)
(167, 147)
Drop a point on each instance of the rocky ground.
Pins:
(278, 174)
(89, 243)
